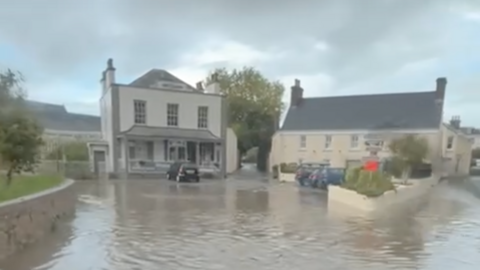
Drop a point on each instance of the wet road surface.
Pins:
(254, 224)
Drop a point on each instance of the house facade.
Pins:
(335, 129)
(158, 119)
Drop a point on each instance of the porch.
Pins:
(152, 150)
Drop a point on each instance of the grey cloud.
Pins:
(363, 35)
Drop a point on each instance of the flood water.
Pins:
(253, 224)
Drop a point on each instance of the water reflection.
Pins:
(252, 224)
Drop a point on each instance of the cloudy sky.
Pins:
(335, 47)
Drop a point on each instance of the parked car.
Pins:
(322, 178)
(183, 172)
(305, 169)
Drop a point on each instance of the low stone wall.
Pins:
(403, 194)
(27, 219)
(286, 177)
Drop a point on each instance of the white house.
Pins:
(158, 119)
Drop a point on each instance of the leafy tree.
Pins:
(255, 104)
(20, 135)
(408, 152)
(73, 151)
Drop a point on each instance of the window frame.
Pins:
(172, 114)
(354, 142)
(139, 112)
(303, 142)
(450, 141)
(328, 142)
(202, 117)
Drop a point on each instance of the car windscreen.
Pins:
(189, 166)
(336, 170)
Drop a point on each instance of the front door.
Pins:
(98, 157)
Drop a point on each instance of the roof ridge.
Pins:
(370, 95)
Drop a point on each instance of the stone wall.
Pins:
(27, 219)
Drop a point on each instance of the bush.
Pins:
(370, 184)
(288, 168)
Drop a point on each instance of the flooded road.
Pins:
(253, 224)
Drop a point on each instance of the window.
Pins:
(202, 116)
(172, 115)
(450, 142)
(303, 142)
(328, 142)
(354, 141)
(140, 113)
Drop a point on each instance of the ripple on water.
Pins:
(249, 225)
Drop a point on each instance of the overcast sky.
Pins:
(335, 47)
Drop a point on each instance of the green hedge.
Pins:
(371, 184)
(288, 168)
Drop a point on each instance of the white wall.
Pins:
(232, 151)
(157, 107)
(106, 119)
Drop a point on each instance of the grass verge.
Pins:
(23, 185)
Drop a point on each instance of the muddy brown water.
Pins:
(250, 224)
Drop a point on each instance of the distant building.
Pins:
(335, 129)
(473, 134)
(61, 126)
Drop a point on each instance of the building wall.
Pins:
(458, 156)
(107, 120)
(286, 146)
(156, 107)
(232, 151)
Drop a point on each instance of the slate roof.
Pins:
(380, 111)
(153, 76)
(56, 117)
(170, 132)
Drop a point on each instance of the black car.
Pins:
(183, 172)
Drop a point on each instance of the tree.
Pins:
(408, 152)
(255, 104)
(73, 151)
(20, 135)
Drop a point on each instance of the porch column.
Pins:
(197, 153)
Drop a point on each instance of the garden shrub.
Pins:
(371, 184)
(288, 168)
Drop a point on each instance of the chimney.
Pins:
(214, 86)
(200, 86)
(109, 74)
(440, 89)
(296, 95)
(455, 122)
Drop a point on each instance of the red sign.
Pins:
(371, 166)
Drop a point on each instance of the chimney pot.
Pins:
(200, 86)
(440, 89)
(296, 94)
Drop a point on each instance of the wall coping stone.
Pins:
(66, 183)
